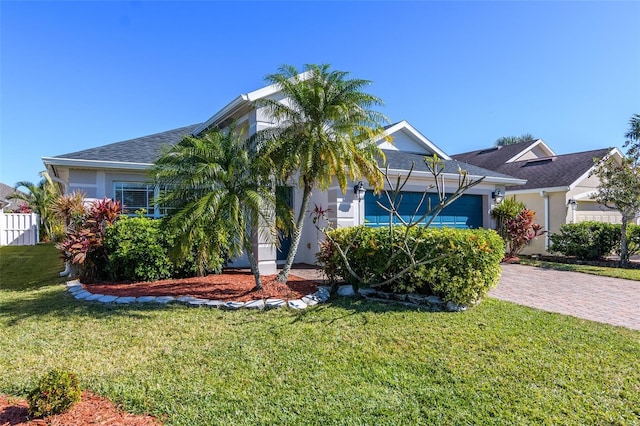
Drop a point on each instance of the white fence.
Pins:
(19, 229)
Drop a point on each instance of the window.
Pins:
(136, 196)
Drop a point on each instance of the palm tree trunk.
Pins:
(297, 234)
(254, 265)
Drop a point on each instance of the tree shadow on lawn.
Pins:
(350, 306)
(63, 305)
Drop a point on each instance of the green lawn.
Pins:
(628, 274)
(346, 362)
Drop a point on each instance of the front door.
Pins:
(284, 194)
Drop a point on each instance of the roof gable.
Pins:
(243, 101)
(407, 139)
(493, 157)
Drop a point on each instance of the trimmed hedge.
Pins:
(465, 263)
(139, 249)
(593, 240)
(586, 240)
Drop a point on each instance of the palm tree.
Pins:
(510, 140)
(633, 138)
(40, 199)
(220, 185)
(326, 130)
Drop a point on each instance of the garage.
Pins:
(465, 212)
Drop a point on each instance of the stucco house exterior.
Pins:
(559, 188)
(119, 171)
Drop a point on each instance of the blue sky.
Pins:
(76, 75)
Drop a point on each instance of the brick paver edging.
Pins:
(320, 296)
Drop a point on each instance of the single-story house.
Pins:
(6, 204)
(119, 171)
(558, 188)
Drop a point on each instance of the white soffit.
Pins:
(418, 138)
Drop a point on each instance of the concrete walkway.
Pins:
(608, 300)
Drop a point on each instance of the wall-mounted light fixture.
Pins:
(573, 204)
(497, 195)
(359, 190)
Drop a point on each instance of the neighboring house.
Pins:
(559, 188)
(6, 204)
(118, 171)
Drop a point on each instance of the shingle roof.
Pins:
(402, 160)
(5, 191)
(550, 172)
(492, 158)
(144, 150)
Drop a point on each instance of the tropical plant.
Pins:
(521, 230)
(40, 199)
(84, 238)
(633, 138)
(325, 132)
(510, 140)
(69, 208)
(219, 183)
(506, 210)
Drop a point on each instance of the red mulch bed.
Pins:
(231, 285)
(91, 410)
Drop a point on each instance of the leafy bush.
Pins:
(140, 249)
(633, 239)
(55, 393)
(586, 240)
(463, 265)
(137, 250)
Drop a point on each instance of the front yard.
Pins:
(346, 362)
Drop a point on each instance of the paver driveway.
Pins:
(607, 300)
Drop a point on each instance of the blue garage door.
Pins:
(465, 212)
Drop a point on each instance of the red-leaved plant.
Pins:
(520, 231)
(82, 245)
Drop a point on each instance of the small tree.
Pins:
(620, 190)
(219, 183)
(620, 184)
(326, 132)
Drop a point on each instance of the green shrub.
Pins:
(466, 263)
(586, 240)
(137, 250)
(633, 239)
(55, 393)
(141, 249)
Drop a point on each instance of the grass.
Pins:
(347, 362)
(628, 274)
